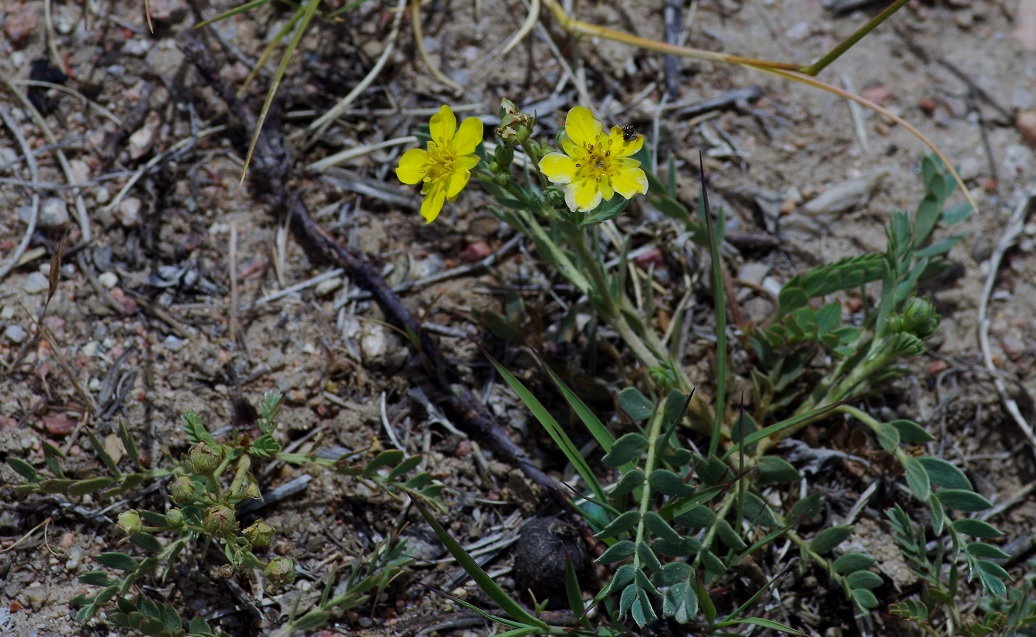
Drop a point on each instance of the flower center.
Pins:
(442, 157)
(598, 161)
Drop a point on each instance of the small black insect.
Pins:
(629, 133)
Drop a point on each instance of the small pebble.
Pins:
(136, 47)
(173, 343)
(129, 212)
(108, 279)
(36, 283)
(15, 333)
(53, 214)
(328, 286)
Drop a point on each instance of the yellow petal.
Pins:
(621, 147)
(467, 162)
(558, 168)
(456, 182)
(574, 150)
(434, 196)
(581, 126)
(582, 195)
(443, 126)
(628, 179)
(606, 188)
(413, 166)
(469, 136)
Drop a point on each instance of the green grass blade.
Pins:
(552, 427)
(484, 581)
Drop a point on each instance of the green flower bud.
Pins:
(129, 522)
(219, 520)
(174, 517)
(205, 459)
(182, 490)
(280, 570)
(251, 491)
(259, 534)
(920, 318)
(503, 155)
(225, 571)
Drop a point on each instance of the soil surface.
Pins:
(179, 289)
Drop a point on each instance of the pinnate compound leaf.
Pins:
(829, 538)
(618, 551)
(917, 479)
(976, 528)
(911, 609)
(635, 404)
(944, 474)
(626, 449)
(962, 500)
(851, 563)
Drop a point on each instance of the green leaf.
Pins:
(699, 517)
(55, 485)
(618, 551)
(387, 458)
(976, 528)
(82, 487)
(805, 509)
(756, 511)
(621, 524)
(674, 573)
(911, 609)
(938, 515)
(829, 538)
(992, 577)
(864, 579)
(888, 436)
(680, 603)
(712, 563)
(911, 432)
(774, 469)
(95, 578)
(404, 468)
(668, 483)
(484, 581)
(944, 474)
(628, 483)
(978, 549)
(626, 449)
(586, 415)
(765, 623)
(24, 469)
(917, 479)
(851, 563)
(729, 537)
(962, 500)
(864, 598)
(660, 527)
(648, 557)
(147, 542)
(635, 404)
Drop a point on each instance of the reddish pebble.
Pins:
(1025, 122)
(476, 251)
(463, 448)
(937, 366)
(853, 305)
(57, 424)
(652, 257)
(989, 184)
(928, 105)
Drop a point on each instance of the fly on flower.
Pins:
(595, 164)
(445, 167)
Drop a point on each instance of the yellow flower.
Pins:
(446, 166)
(595, 164)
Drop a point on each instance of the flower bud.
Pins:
(280, 570)
(174, 517)
(503, 155)
(129, 522)
(219, 520)
(182, 490)
(205, 459)
(251, 491)
(225, 571)
(259, 534)
(515, 126)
